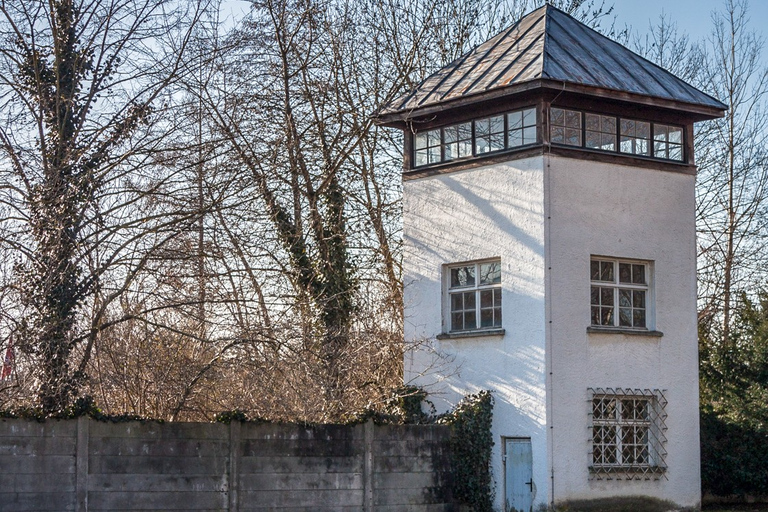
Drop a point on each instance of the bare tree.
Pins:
(85, 114)
(732, 188)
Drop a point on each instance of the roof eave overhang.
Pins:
(695, 111)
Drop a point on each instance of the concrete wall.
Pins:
(622, 212)
(85, 465)
(487, 212)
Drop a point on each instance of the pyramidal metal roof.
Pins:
(548, 45)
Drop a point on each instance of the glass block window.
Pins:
(474, 291)
(521, 128)
(458, 141)
(565, 126)
(427, 147)
(628, 432)
(489, 134)
(635, 137)
(668, 142)
(619, 293)
(600, 132)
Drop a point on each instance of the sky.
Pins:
(693, 17)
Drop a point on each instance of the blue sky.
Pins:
(692, 16)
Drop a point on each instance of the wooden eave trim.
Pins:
(539, 150)
(696, 112)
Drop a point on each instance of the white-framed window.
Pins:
(668, 142)
(565, 126)
(635, 137)
(474, 296)
(600, 132)
(489, 134)
(475, 138)
(427, 147)
(521, 128)
(620, 293)
(628, 431)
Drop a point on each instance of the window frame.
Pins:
(610, 454)
(504, 133)
(477, 288)
(617, 286)
(651, 142)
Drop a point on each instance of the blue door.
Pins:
(518, 469)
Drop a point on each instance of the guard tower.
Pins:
(550, 256)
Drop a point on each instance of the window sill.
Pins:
(594, 329)
(480, 333)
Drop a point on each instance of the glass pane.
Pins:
(626, 145)
(609, 125)
(558, 135)
(470, 320)
(638, 299)
(642, 147)
(486, 299)
(497, 317)
(660, 132)
(592, 122)
(557, 116)
(420, 140)
(675, 135)
(606, 271)
(465, 149)
(451, 151)
(625, 273)
(595, 296)
(515, 138)
(482, 146)
(625, 298)
(421, 157)
(497, 297)
(481, 127)
(515, 120)
(638, 274)
(457, 321)
(606, 296)
(608, 142)
(606, 316)
(595, 315)
(625, 317)
(593, 140)
(490, 273)
(573, 137)
(497, 124)
(676, 153)
(486, 318)
(497, 142)
(643, 130)
(469, 300)
(529, 117)
(529, 135)
(465, 131)
(451, 134)
(573, 119)
(433, 137)
(594, 270)
(627, 127)
(639, 318)
(457, 304)
(660, 149)
(434, 154)
(463, 276)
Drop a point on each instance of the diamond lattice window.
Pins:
(627, 433)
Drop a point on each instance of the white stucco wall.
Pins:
(493, 211)
(623, 212)
(544, 217)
